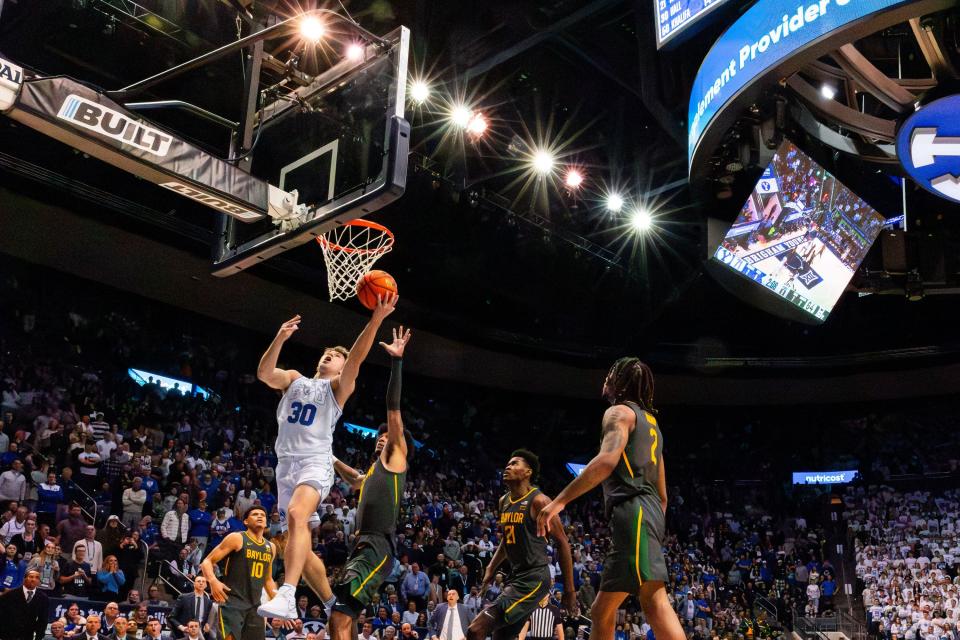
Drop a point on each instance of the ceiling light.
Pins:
(573, 179)
(419, 91)
(543, 162)
(460, 115)
(614, 202)
(312, 29)
(641, 220)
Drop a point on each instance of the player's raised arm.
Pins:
(394, 455)
(617, 421)
(267, 370)
(346, 382)
(231, 544)
(566, 556)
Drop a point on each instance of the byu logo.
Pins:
(112, 124)
(928, 145)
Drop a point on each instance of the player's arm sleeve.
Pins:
(662, 483)
(393, 386)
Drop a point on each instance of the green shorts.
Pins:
(369, 564)
(518, 599)
(239, 623)
(636, 556)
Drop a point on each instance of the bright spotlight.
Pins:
(573, 179)
(477, 125)
(460, 116)
(614, 202)
(543, 162)
(828, 91)
(312, 29)
(419, 91)
(355, 52)
(641, 220)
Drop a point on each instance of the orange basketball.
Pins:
(373, 284)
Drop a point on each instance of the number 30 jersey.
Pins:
(306, 418)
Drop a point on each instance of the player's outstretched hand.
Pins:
(218, 591)
(385, 306)
(570, 604)
(546, 516)
(400, 340)
(289, 327)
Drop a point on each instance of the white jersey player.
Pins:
(307, 415)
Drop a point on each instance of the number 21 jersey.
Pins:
(306, 418)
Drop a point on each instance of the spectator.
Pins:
(111, 612)
(13, 484)
(111, 578)
(152, 630)
(586, 595)
(110, 537)
(76, 576)
(154, 599)
(28, 541)
(134, 498)
(73, 528)
(56, 631)
(121, 628)
(11, 573)
(73, 620)
(91, 629)
(94, 548)
(89, 467)
(813, 597)
(415, 586)
(14, 526)
(194, 605)
(47, 566)
(410, 615)
(366, 632)
(49, 495)
(407, 632)
(24, 610)
(175, 528)
(451, 619)
(200, 520)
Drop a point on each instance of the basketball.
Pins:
(373, 284)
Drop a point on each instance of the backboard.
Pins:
(341, 142)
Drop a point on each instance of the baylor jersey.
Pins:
(637, 471)
(245, 571)
(525, 550)
(379, 503)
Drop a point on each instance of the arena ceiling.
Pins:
(476, 262)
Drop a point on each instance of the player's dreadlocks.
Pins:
(632, 380)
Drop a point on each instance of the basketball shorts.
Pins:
(234, 623)
(369, 564)
(292, 472)
(518, 599)
(636, 556)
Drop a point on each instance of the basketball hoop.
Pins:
(350, 251)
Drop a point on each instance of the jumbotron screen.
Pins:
(801, 234)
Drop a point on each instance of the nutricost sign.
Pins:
(824, 477)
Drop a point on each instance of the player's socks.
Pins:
(328, 604)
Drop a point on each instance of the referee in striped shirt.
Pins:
(545, 623)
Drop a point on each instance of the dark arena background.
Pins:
(759, 199)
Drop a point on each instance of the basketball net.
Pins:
(350, 251)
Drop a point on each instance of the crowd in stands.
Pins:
(168, 475)
(907, 546)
